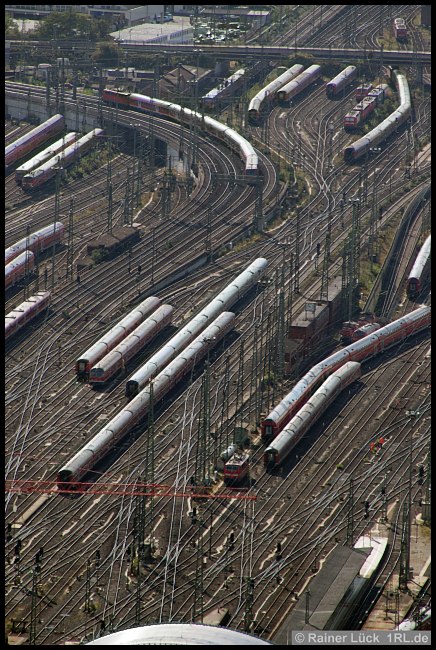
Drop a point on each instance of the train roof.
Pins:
(347, 72)
(42, 156)
(421, 259)
(312, 71)
(274, 85)
(31, 134)
(377, 547)
(38, 297)
(217, 91)
(64, 155)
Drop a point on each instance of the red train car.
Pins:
(33, 139)
(18, 268)
(237, 469)
(362, 91)
(27, 311)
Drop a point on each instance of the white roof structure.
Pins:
(179, 634)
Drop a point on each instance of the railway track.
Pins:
(165, 596)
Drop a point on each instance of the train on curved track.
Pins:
(419, 270)
(360, 351)
(315, 406)
(363, 145)
(212, 127)
(269, 91)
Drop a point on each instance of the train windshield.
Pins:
(96, 372)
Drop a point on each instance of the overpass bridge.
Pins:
(280, 52)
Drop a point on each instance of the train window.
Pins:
(268, 430)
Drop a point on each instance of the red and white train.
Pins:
(360, 351)
(237, 469)
(117, 359)
(136, 410)
(362, 91)
(43, 156)
(225, 134)
(115, 335)
(18, 268)
(365, 330)
(306, 417)
(419, 270)
(37, 241)
(28, 142)
(360, 113)
(48, 170)
(400, 29)
(27, 311)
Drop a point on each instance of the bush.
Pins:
(99, 255)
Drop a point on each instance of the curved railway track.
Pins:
(165, 596)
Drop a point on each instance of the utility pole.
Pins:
(198, 604)
(297, 255)
(281, 336)
(350, 515)
(34, 605)
(70, 250)
(56, 218)
(249, 580)
(127, 199)
(202, 474)
(239, 403)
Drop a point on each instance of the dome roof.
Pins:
(179, 634)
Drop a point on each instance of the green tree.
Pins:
(106, 53)
(11, 28)
(70, 24)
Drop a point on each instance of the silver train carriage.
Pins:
(306, 417)
(363, 145)
(114, 336)
(117, 359)
(138, 407)
(362, 350)
(419, 269)
(224, 300)
(33, 139)
(25, 312)
(47, 170)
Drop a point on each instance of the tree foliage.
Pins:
(11, 28)
(106, 53)
(70, 24)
